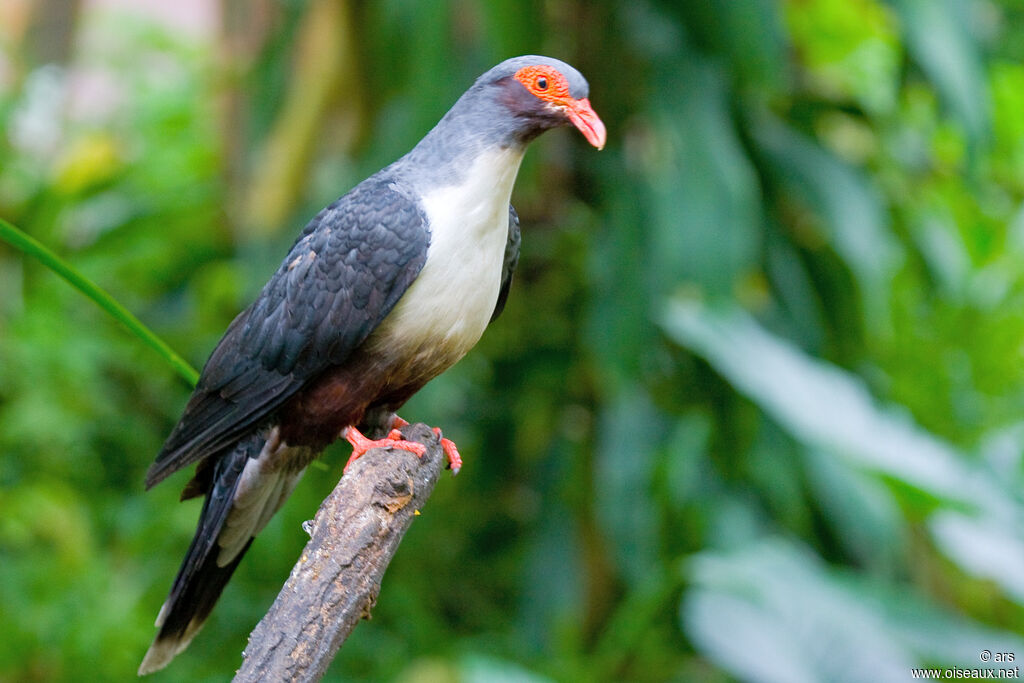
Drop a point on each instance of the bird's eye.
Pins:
(543, 81)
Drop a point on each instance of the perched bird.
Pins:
(385, 289)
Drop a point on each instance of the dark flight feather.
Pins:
(510, 262)
(310, 316)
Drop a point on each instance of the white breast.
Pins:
(449, 305)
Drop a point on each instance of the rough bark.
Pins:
(335, 583)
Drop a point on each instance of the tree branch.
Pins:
(335, 583)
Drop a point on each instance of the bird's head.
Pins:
(541, 93)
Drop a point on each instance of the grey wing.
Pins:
(339, 281)
(508, 266)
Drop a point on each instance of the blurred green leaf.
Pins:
(773, 612)
(748, 33)
(705, 200)
(478, 669)
(848, 210)
(823, 406)
(986, 546)
(827, 409)
(764, 629)
(863, 513)
(850, 49)
(939, 38)
(624, 464)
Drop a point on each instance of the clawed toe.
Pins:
(394, 439)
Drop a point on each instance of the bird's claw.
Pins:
(450, 451)
(394, 439)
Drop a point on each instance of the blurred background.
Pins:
(755, 409)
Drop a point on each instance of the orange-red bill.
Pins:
(586, 119)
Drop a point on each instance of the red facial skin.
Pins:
(548, 84)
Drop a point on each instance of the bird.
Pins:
(383, 290)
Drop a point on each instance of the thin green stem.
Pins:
(11, 234)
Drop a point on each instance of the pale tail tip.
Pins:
(157, 657)
(162, 651)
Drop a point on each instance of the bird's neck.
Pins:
(473, 130)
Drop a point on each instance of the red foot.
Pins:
(454, 459)
(450, 450)
(361, 444)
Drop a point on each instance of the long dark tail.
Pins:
(202, 578)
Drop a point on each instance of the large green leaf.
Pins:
(772, 611)
(829, 409)
(822, 405)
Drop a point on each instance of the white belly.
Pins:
(447, 308)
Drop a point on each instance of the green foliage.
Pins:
(752, 411)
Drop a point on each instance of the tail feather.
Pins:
(182, 617)
(243, 491)
(201, 580)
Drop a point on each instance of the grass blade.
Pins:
(12, 235)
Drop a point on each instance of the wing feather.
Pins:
(338, 282)
(508, 267)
